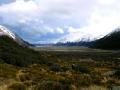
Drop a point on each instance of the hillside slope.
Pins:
(5, 31)
(110, 41)
(13, 53)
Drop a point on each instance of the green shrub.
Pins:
(80, 68)
(51, 85)
(7, 71)
(55, 68)
(17, 86)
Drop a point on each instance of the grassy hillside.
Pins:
(13, 53)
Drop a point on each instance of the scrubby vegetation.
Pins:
(25, 69)
(13, 53)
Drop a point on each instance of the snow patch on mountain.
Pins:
(7, 32)
(78, 37)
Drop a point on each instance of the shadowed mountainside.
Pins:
(110, 41)
(13, 53)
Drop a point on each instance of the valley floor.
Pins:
(87, 69)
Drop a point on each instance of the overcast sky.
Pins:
(47, 21)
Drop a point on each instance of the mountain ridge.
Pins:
(110, 41)
(16, 51)
(6, 32)
(13, 53)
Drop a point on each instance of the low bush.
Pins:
(17, 86)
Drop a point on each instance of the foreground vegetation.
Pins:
(65, 71)
(22, 68)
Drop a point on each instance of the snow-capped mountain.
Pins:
(77, 37)
(6, 32)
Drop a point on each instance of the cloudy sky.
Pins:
(48, 21)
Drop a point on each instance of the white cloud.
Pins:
(106, 1)
(103, 19)
(32, 11)
(60, 30)
(19, 6)
(18, 12)
(53, 8)
(48, 29)
(83, 17)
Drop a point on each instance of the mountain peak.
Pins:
(7, 32)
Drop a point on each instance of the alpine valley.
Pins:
(82, 65)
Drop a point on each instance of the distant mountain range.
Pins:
(110, 41)
(80, 43)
